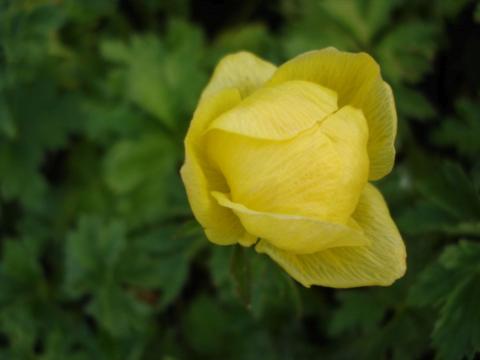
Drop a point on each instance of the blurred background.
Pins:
(100, 257)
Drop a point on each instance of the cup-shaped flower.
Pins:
(281, 158)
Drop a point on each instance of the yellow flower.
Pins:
(281, 158)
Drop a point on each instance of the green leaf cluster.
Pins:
(100, 257)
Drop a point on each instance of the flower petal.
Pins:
(320, 173)
(380, 263)
(221, 225)
(298, 234)
(279, 112)
(348, 132)
(243, 71)
(357, 80)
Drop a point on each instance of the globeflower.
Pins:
(281, 158)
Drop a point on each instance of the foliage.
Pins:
(100, 257)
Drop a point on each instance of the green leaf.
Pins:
(220, 262)
(377, 13)
(88, 11)
(162, 76)
(463, 256)
(19, 262)
(359, 310)
(107, 121)
(303, 33)
(23, 293)
(18, 323)
(100, 257)
(129, 163)
(93, 253)
(160, 261)
(457, 331)
(20, 271)
(346, 24)
(7, 125)
(240, 275)
(406, 52)
(240, 267)
(118, 312)
(26, 35)
(452, 284)
(144, 78)
(461, 132)
(142, 175)
(204, 310)
(463, 203)
(44, 124)
(349, 15)
(254, 38)
(413, 104)
(273, 292)
(424, 217)
(430, 289)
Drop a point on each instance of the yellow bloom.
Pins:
(282, 158)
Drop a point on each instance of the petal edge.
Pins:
(298, 234)
(380, 263)
(242, 70)
(357, 80)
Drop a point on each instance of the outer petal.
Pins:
(279, 112)
(380, 263)
(243, 71)
(319, 173)
(356, 79)
(348, 132)
(298, 234)
(221, 225)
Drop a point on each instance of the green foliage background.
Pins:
(100, 257)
